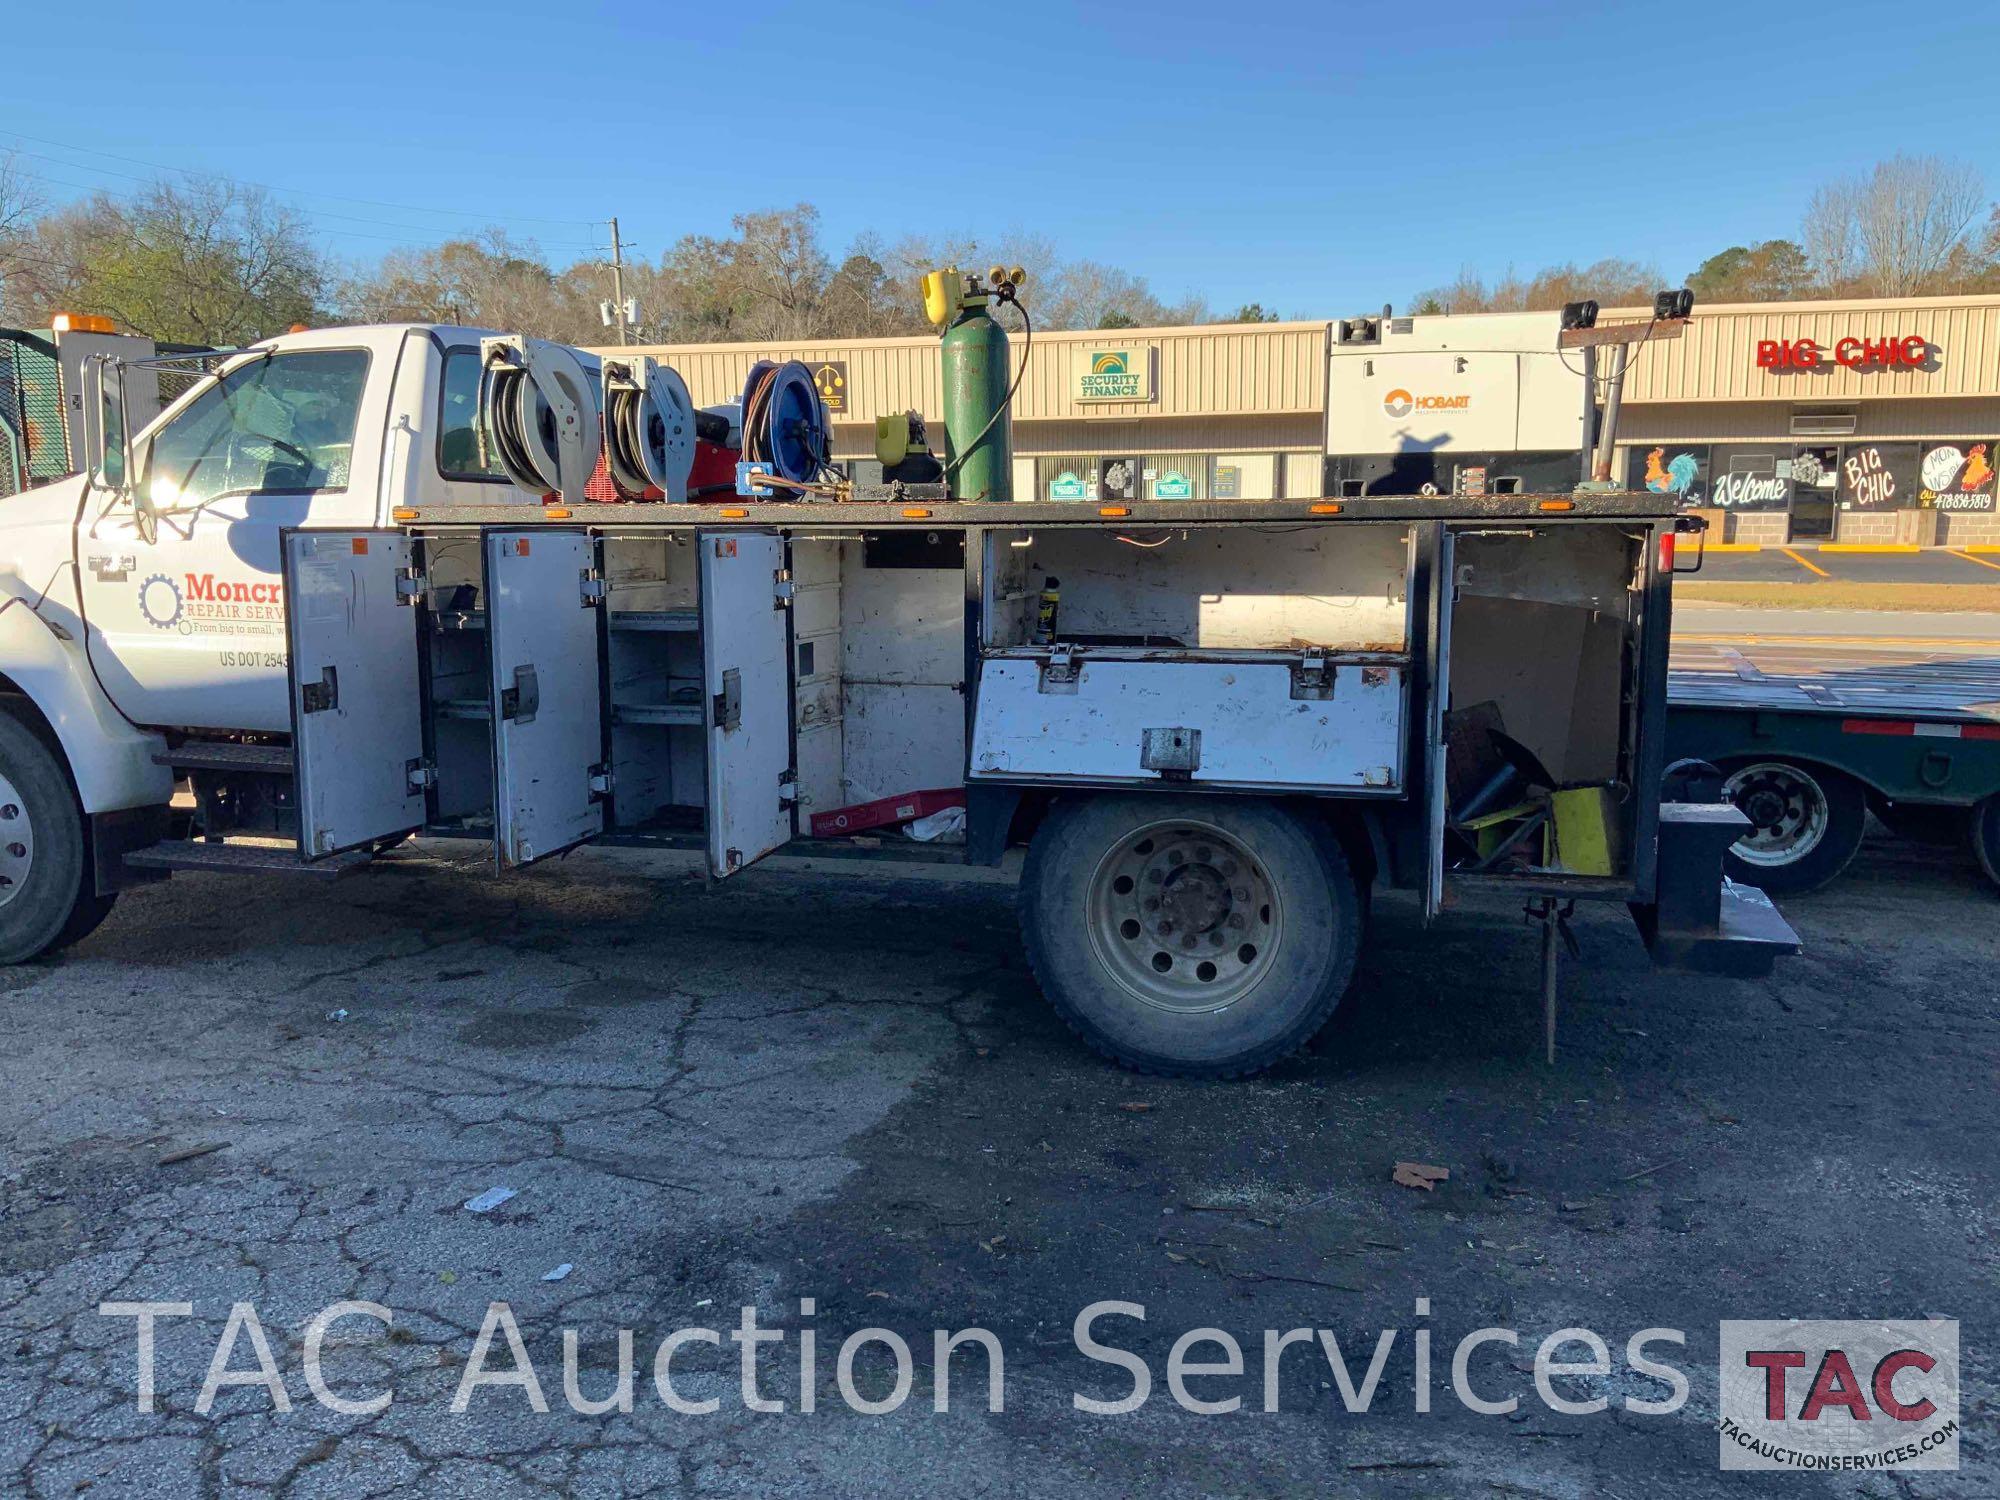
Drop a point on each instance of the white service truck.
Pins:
(308, 611)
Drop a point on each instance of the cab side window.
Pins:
(281, 424)
(461, 451)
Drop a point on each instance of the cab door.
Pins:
(746, 666)
(544, 623)
(356, 713)
(185, 618)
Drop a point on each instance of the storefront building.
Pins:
(1865, 421)
(1855, 421)
(1219, 411)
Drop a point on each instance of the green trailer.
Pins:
(1808, 756)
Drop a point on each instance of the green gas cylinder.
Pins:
(977, 444)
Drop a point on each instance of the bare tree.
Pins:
(19, 207)
(1904, 228)
(206, 262)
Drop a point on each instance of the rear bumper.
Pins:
(1701, 921)
(1749, 936)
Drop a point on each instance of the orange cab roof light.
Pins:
(81, 323)
(1557, 504)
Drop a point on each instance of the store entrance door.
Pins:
(1814, 470)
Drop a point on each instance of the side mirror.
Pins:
(107, 441)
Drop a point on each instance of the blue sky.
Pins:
(1319, 158)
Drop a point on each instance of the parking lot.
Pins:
(838, 1083)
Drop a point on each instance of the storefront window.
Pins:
(1750, 476)
(1878, 476)
(1676, 469)
(1957, 477)
(1245, 476)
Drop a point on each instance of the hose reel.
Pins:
(649, 428)
(784, 421)
(539, 415)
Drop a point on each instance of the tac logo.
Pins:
(1110, 362)
(160, 602)
(1399, 403)
(1839, 1396)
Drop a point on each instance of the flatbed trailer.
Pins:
(1806, 755)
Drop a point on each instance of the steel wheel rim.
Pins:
(17, 842)
(1787, 807)
(1184, 916)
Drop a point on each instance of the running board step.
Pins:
(243, 859)
(226, 755)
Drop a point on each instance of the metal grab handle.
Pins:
(520, 703)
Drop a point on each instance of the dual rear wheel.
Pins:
(1190, 936)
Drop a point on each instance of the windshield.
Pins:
(283, 423)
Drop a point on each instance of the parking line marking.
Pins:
(1814, 567)
(1956, 552)
(1735, 546)
(1898, 548)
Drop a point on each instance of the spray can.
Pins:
(1045, 612)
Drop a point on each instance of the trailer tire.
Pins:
(1986, 837)
(47, 901)
(1235, 970)
(1809, 821)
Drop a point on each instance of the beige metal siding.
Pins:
(1215, 370)
(1713, 422)
(1716, 359)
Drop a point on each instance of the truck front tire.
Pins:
(1196, 937)
(46, 900)
(1808, 822)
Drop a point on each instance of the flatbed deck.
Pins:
(1958, 690)
(1640, 505)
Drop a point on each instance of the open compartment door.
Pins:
(357, 716)
(746, 664)
(543, 616)
(1437, 793)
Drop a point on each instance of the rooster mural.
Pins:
(1976, 471)
(1675, 478)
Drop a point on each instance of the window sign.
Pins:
(1228, 483)
(1067, 485)
(1173, 485)
(1118, 478)
(1957, 477)
(1752, 477)
(1678, 471)
(1878, 476)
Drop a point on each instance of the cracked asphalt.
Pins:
(835, 1082)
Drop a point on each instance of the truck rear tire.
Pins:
(1195, 937)
(45, 900)
(1809, 822)
(1986, 836)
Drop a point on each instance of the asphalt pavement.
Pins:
(833, 1095)
(1809, 563)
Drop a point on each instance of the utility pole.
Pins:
(618, 279)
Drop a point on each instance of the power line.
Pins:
(271, 188)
